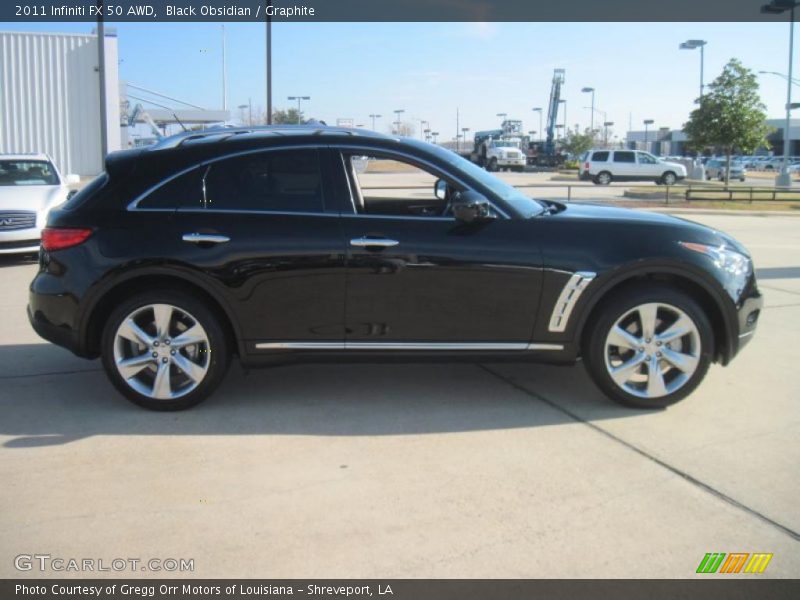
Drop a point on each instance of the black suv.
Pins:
(303, 243)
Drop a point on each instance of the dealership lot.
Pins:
(440, 470)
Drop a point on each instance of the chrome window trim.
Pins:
(567, 299)
(133, 204)
(445, 346)
(341, 148)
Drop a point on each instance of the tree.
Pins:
(730, 116)
(283, 117)
(577, 143)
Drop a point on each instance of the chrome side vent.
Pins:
(567, 299)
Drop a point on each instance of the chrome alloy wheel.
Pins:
(161, 351)
(652, 350)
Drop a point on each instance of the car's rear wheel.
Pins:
(164, 350)
(649, 347)
(603, 178)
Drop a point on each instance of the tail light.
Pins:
(58, 238)
(586, 166)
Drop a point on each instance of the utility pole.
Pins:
(269, 70)
(101, 66)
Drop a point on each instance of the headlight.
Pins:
(735, 266)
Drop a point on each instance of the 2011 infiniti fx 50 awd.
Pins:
(304, 243)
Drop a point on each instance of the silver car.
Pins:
(715, 169)
(30, 185)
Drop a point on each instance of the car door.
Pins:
(420, 280)
(624, 164)
(648, 165)
(258, 228)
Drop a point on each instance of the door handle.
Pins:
(368, 242)
(205, 238)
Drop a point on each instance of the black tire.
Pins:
(492, 166)
(603, 178)
(619, 304)
(218, 348)
(669, 178)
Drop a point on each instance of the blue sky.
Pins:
(430, 69)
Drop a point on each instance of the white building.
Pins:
(50, 98)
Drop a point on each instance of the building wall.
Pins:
(50, 98)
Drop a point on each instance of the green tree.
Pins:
(730, 116)
(577, 143)
(284, 117)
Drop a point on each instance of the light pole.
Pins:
(464, 131)
(539, 110)
(693, 45)
(564, 102)
(795, 81)
(422, 124)
(647, 123)
(777, 7)
(398, 112)
(559, 127)
(241, 107)
(590, 90)
(502, 115)
(435, 135)
(427, 133)
(606, 125)
(299, 99)
(373, 117)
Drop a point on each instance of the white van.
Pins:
(603, 166)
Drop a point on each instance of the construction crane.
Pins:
(139, 112)
(552, 112)
(544, 153)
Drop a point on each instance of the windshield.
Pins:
(27, 172)
(526, 206)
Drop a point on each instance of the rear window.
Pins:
(89, 190)
(625, 157)
(600, 156)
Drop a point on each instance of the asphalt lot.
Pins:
(409, 470)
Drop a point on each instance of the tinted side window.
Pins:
(600, 156)
(625, 157)
(287, 180)
(183, 191)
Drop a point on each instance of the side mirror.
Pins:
(440, 189)
(471, 207)
(72, 179)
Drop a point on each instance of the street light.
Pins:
(778, 7)
(558, 128)
(427, 133)
(373, 117)
(422, 124)
(590, 90)
(693, 45)
(539, 110)
(464, 131)
(398, 112)
(434, 134)
(241, 107)
(564, 102)
(299, 99)
(503, 115)
(795, 81)
(647, 123)
(606, 125)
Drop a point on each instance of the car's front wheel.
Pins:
(164, 350)
(649, 347)
(669, 178)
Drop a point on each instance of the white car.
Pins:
(603, 166)
(30, 185)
